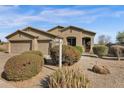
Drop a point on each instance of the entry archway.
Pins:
(86, 42)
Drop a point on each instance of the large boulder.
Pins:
(100, 69)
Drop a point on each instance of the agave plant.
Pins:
(68, 78)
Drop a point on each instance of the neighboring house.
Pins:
(35, 39)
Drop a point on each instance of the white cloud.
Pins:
(62, 12)
(10, 17)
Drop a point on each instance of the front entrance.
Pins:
(71, 41)
(86, 42)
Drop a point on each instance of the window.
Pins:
(71, 41)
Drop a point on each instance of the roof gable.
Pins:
(19, 31)
(57, 27)
(40, 31)
(80, 29)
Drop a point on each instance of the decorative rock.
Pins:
(100, 69)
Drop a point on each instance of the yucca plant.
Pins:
(68, 78)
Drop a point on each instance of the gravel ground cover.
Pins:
(113, 80)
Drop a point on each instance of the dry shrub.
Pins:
(22, 67)
(100, 69)
(68, 78)
(70, 55)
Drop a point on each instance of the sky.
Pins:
(104, 20)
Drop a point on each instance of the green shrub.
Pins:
(70, 55)
(80, 49)
(116, 51)
(68, 78)
(22, 67)
(100, 50)
(33, 52)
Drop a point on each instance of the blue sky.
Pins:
(107, 20)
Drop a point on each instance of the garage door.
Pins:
(20, 46)
(44, 46)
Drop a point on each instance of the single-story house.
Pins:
(31, 38)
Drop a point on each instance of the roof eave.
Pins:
(78, 28)
(55, 28)
(7, 37)
(42, 31)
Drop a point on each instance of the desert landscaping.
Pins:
(112, 80)
(33, 58)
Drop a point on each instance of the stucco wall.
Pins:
(20, 36)
(41, 36)
(75, 33)
(55, 32)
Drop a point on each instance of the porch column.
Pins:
(35, 44)
(92, 44)
(9, 47)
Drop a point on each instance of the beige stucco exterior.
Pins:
(20, 36)
(72, 32)
(29, 39)
(56, 31)
(35, 39)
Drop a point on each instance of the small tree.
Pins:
(120, 37)
(103, 39)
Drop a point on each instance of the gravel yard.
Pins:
(113, 80)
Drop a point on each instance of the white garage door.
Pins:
(20, 46)
(44, 47)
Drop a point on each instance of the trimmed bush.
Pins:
(80, 49)
(100, 50)
(22, 67)
(36, 53)
(68, 78)
(116, 51)
(70, 55)
(33, 52)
